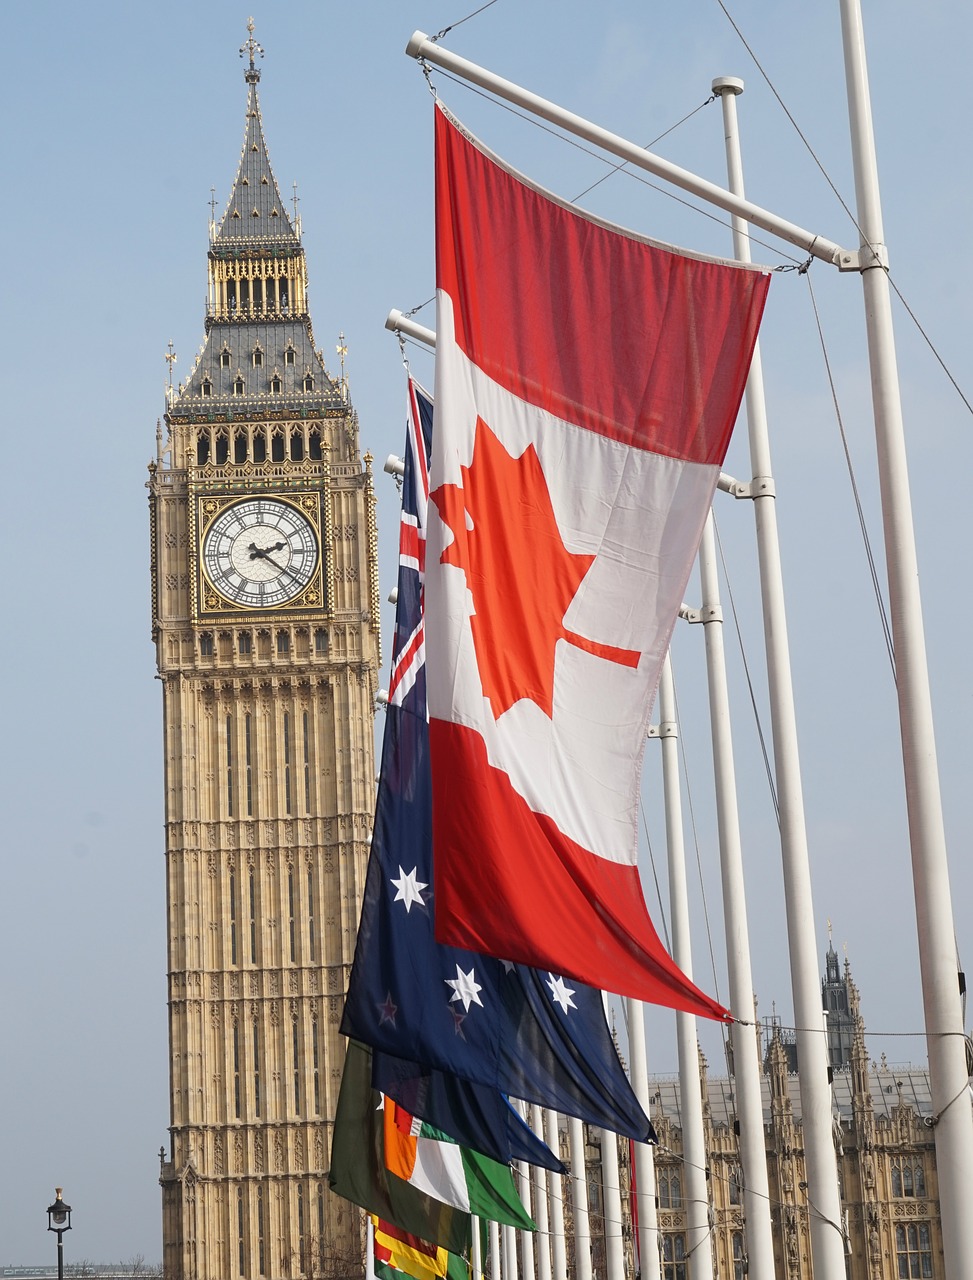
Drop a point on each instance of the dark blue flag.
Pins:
(516, 1030)
(476, 1116)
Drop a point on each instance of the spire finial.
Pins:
(252, 73)
(170, 360)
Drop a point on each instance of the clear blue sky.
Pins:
(119, 118)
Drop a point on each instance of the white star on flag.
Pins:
(560, 993)
(465, 988)
(409, 889)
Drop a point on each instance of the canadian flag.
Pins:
(587, 382)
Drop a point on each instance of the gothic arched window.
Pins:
(669, 1187)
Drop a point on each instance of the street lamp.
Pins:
(59, 1220)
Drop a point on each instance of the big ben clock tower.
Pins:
(265, 620)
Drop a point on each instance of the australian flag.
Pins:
(507, 1028)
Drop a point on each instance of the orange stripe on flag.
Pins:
(400, 1148)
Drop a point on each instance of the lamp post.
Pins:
(59, 1220)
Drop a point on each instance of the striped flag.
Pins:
(407, 1253)
(430, 1162)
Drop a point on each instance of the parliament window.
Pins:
(290, 912)
(238, 387)
(233, 924)
(229, 767)
(908, 1178)
(244, 642)
(307, 765)
(310, 915)
(317, 1087)
(287, 764)
(206, 645)
(674, 1256)
(283, 642)
(913, 1251)
(290, 355)
(739, 1257)
(253, 925)
(669, 1188)
(239, 1227)
(256, 1067)
(261, 1232)
(248, 741)
(321, 641)
(236, 1068)
(297, 1068)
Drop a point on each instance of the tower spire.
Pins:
(252, 73)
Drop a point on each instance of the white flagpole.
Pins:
(527, 1265)
(508, 1238)
(556, 1185)
(493, 1240)
(953, 1126)
(612, 1206)
(579, 1200)
(823, 1198)
(369, 1248)
(648, 1232)
(476, 1261)
(690, 1091)
(541, 1205)
(745, 1038)
(827, 1244)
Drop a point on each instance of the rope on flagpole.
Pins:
(446, 30)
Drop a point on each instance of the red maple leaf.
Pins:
(518, 570)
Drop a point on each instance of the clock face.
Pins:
(260, 553)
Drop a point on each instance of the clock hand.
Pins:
(284, 568)
(261, 553)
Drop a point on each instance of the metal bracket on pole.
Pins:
(759, 487)
(867, 257)
(667, 729)
(706, 613)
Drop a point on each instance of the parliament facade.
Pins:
(884, 1146)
